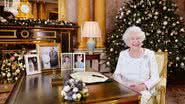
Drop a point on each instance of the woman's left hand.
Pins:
(138, 87)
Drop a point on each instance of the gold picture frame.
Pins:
(49, 55)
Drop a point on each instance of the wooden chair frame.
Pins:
(161, 87)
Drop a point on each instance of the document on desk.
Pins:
(89, 77)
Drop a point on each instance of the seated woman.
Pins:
(137, 67)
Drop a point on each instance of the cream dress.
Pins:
(138, 70)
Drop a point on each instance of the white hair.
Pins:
(131, 30)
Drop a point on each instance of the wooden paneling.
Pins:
(67, 36)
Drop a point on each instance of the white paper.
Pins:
(89, 77)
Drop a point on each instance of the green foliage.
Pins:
(164, 29)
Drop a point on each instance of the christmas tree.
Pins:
(163, 28)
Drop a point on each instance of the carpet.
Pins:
(176, 94)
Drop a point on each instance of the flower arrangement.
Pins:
(74, 90)
(12, 67)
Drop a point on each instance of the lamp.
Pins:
(91, 30)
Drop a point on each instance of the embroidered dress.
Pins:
(138, 70)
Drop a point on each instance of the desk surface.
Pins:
(37, 89)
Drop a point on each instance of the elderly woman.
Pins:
(137, 67)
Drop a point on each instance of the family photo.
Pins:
(66, 61)
(79, 62)
(49, 56)
(32, 64)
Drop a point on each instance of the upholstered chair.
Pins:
(159, 96)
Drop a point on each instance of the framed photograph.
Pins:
(32, 63)
(79, 61)
(49, 55)
(66, 61)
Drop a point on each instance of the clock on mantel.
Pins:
(24, 10)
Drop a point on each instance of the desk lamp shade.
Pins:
(91, 30)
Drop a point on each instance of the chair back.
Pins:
(162, 61)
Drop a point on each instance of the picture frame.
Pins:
(32, 63)
(49, 55)
(66, 61)
(79, 61)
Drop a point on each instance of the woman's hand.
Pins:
(138, 87)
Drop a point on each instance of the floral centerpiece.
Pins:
(74, 90)
(11, 67)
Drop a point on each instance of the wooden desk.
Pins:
(37, 89)
(91, 57)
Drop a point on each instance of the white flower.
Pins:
(16, 54)
(20, 58)
(66, 88)
(17, 71)
(20, 64)
(85, 92)
(74, 96)
(9, 75)
(9, 64)
(72, 92)
(78, 96)
(71, 80)
(3, 74)
(14, 73)
(66, 97)
(16, 78)
(63, 93)
(24, 66)
(75, 89)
